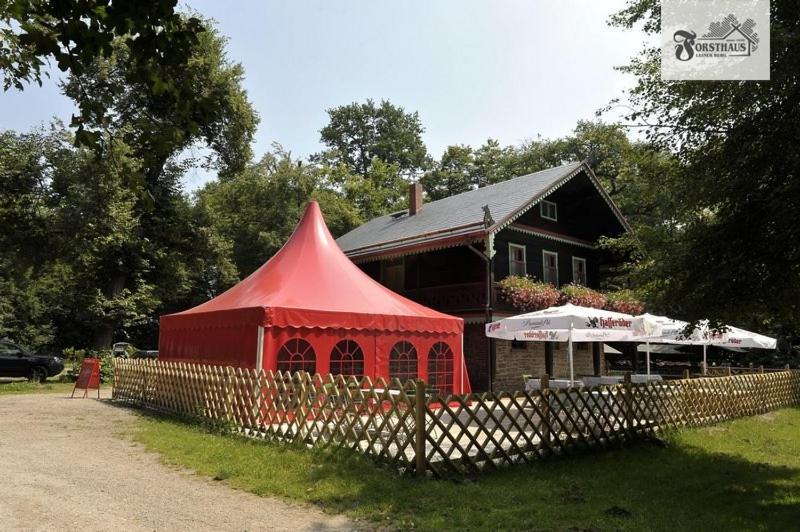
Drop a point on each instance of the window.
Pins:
(579, 270)
(550, 267)
(516, 260)
(297, 355)
(440, 368)
(347, 359)
(393, 274)
(403, 361)
(582, 346)
(548, 210)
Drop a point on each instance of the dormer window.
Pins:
(548, 210)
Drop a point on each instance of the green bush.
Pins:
(581, 296)
(624, 301)
(75, 357)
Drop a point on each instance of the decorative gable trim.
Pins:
(549, 235)
(502, 224)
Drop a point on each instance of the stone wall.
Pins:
(512, 363)
(529, 359)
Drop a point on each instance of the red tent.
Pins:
(310, 308)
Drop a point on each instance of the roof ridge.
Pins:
(500, 183)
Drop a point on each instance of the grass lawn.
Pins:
(743, 475)
(7, 388)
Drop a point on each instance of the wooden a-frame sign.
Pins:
(89, 377)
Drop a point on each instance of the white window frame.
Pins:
(545, 253)
(585, 274)
(542, 204)
(511, 248)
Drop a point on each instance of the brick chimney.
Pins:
(414, 198)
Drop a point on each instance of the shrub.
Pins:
(526, 294)
(582, 296)
(624, 301)
(76, 356)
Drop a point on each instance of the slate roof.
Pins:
(459, 216)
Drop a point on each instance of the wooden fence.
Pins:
(406, 425)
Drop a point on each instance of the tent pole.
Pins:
(260, 349)
(705, 361)
(648, 358)
(571, 366)
(463, 364)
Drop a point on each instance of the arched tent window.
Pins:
(297, 355)
(403, 361)
(347, 358)
(440, 368)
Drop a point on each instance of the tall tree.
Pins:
(358, 133)
(731, 249)
(147, 128)
(74, 33)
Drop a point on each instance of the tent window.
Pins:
(440, 368)
(403, 361)
(347, 359)
(297, 355)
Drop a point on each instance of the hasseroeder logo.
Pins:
(608, 323)
(725, 38)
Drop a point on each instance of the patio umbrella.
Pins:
(673, 332)
(571, 323)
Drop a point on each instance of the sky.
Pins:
(473, 69)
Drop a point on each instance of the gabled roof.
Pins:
(461, 216)
(310, 283)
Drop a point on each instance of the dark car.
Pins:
(18, 362)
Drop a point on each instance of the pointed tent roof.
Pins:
(311, 283)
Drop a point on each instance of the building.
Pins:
(449, 254)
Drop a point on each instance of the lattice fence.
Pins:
(406, 425)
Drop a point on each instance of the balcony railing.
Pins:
(465, 297)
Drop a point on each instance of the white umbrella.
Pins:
(572, 323)
(673, 332)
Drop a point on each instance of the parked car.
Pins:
(126, 350)
(16, 361)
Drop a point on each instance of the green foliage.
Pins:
(727, 246)
(257, 210)
(74, 33)
(625, 301)
(359, 133)
(582, 296)
(74, 357)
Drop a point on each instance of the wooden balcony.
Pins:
(454, 298)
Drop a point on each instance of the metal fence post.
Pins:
(419, 428)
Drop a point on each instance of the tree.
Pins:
(358, 133)
(453, 174)
(730, 248)
(150, 131)
(74, 33)
(257, 209)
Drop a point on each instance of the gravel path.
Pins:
(63, 468)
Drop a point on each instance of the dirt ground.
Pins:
(65, 467)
